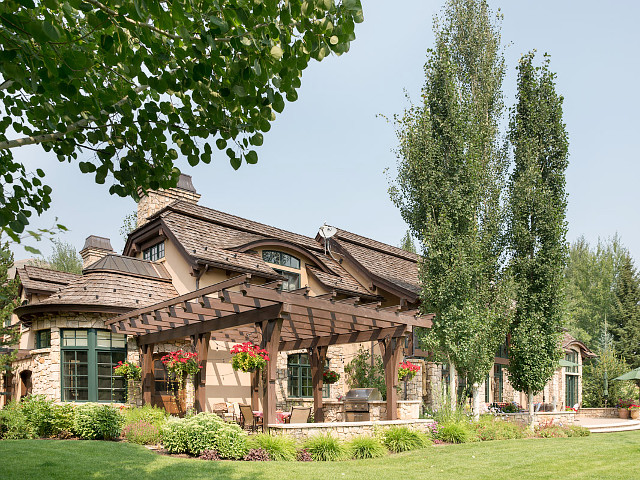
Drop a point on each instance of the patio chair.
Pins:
(299, 415)
(249, 420)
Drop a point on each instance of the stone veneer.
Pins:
(157, 200)
(345, 430)
(544, 418)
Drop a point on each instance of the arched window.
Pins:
(292, 279)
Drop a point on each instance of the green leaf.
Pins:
(276, 52)
(51, 31)
(251, 157)
(33, 250)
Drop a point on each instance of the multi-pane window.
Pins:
(487, 389)
(299, 376)
(497, 383)
(571, 378)
(162, 383)
(88, 359)
(280, 258)
(43, 338)
(153, 253)
(291, 281)
(503, 351)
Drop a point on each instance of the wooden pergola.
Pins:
(236, 311)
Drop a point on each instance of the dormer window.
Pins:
(292, 279)
(281, 258)
(153, 253)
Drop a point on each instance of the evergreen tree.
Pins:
(407, 243)
(450, 180)
(9, 335)
(625, 321)
(537, 227)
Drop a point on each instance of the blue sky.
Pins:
(325, 157)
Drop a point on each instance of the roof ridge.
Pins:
(383, 248)
(176, 206)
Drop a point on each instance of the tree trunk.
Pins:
(530, 401)
(476, 401)
(452, 386)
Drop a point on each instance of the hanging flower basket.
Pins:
(248, 357)
(127, 370)
(330, 377)
(407, 371)
(179, 364)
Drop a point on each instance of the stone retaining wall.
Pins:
(598, 412)
(548, 418)
(344, 430)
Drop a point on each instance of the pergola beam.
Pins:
(355, 337)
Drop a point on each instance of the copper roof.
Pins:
(102, 243)
(129, 265)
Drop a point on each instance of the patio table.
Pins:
(281, 417)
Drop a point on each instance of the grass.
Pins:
(611, 456)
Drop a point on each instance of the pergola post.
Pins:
(146, 355)
(318, 360)
(271, 331)
(391, 350)
(202, 348)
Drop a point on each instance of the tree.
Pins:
(64, 258)
(136, 83)
(590, 279)
(366, 372)
(450, 181)
(407, 243)
(129, 224)
(625, 321)
(537, 227)
(9, 336)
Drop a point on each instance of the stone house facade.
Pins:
(68, 352)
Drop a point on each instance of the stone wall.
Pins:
(598, 412)
(542, 418)
(157, 200)
(344, 430)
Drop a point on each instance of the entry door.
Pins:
(163, 392)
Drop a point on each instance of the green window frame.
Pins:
(571, 379)
(487, 389)
(43, 338)
(498, 382)
(88, 357)
(154, 252)
(300, 384)
(503, 351)
(281, 258)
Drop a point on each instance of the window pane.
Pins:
(103, 339)
(104, 369)
(119, 396)
(118, 382)
(104, 395)
(104, 382)
(104, 357)
(81, 338)
(118, 340)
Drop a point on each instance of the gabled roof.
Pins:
(43, 280)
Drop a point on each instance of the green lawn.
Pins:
(613, 456)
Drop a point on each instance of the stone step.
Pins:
(615, 427)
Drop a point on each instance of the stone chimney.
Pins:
(156, 200)
(94, 249)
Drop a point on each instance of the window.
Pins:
(291, 281)
(163, 385)
(88, 358)
(503, 351)
(280, 258)
(571, 379)
(43, 338)
(487, 390)
(153, 253)
(497, 383)
(299, 374)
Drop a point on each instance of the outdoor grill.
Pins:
(357, 404)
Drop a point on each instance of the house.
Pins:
(195, 278)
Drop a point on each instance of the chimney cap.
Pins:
(102, 243)
(184, 183)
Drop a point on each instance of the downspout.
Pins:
(201, 271)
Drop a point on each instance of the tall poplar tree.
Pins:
(450, 180)
(537, 227)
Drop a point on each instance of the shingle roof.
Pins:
(568, 339)
(44, 279)
(112, 289)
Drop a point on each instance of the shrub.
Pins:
(550, 431)
(13, 423)
(209, 455)
(577, 431)
(489, 428)
(454, 432)
(402, 439)
(205, 431)
(304, 455)
(149, 414)
(174, 435)
(366, 447)
(142, 433)
(256, 455)
(93, 422)
(325, 448)
(38, 411)
(278, 448)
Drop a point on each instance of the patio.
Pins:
(236, 311)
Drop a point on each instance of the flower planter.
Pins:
(634, 414)
(623, 413)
